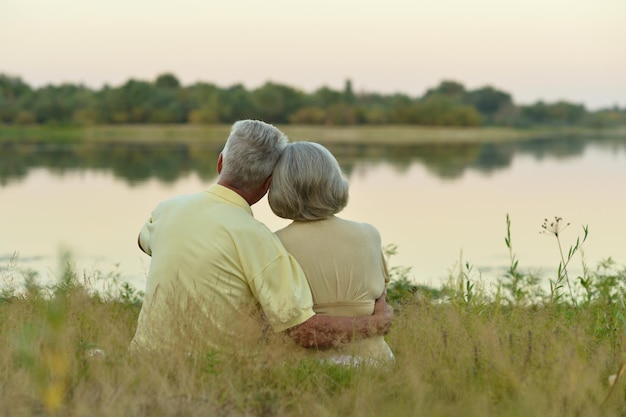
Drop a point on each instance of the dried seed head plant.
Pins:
(555, 227)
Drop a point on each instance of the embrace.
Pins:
(219, 278)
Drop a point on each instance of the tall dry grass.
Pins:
(460, 352)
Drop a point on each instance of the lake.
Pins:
(442, 205)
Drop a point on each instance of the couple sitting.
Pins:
(321, 279)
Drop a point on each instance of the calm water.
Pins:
(440, 205)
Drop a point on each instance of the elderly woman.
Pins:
(342, 259)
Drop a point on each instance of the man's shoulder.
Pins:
(180, 198)
(178, 201)
(243, 223)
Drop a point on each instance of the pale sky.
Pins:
(548, 50)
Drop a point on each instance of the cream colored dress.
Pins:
(346, 270)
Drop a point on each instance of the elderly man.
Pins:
(217, 274)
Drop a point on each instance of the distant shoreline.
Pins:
(384, 134)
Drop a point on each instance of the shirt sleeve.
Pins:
(144, 237)
(147, 231)
(283, 293)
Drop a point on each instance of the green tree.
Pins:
(565, 112)
(58, 104)
(169, 101)
(110, 106)
(439, 110)
(12, 92)
(348, 94)
(137, 100)
(488, 101)
(610, 117)
(310, 115)
(559, 113)
(324, 97)
(236, 103)
(536, 113)
(167, 81)
(375, 115)
(129, 103)
(204, 103)
(451, 89)
(276, 102)
(341, 114)
(165, 100)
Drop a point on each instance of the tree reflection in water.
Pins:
(167, 162)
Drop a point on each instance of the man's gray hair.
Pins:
(250, 153)
(307, 183)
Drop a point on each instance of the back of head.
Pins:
(250, 153)
(307, 183)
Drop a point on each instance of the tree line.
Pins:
(166, 101)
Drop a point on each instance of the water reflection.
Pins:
(436, 202)
(135, 163)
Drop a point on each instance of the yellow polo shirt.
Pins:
(213, 268)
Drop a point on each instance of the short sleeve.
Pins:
(283, 293)
(145, 237)
(147, 231)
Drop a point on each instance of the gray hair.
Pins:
(250, 153)
(307, 183)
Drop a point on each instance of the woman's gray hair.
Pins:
(250, 153)
(307, 183)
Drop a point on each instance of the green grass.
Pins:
(390, 134)
(461, 351)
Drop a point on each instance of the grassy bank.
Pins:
(352, 134)
(453, 359)
(459, 351)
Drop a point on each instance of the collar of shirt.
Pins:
(229, 195)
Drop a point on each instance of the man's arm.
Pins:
(326, 331)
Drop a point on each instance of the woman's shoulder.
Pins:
(363, 227)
